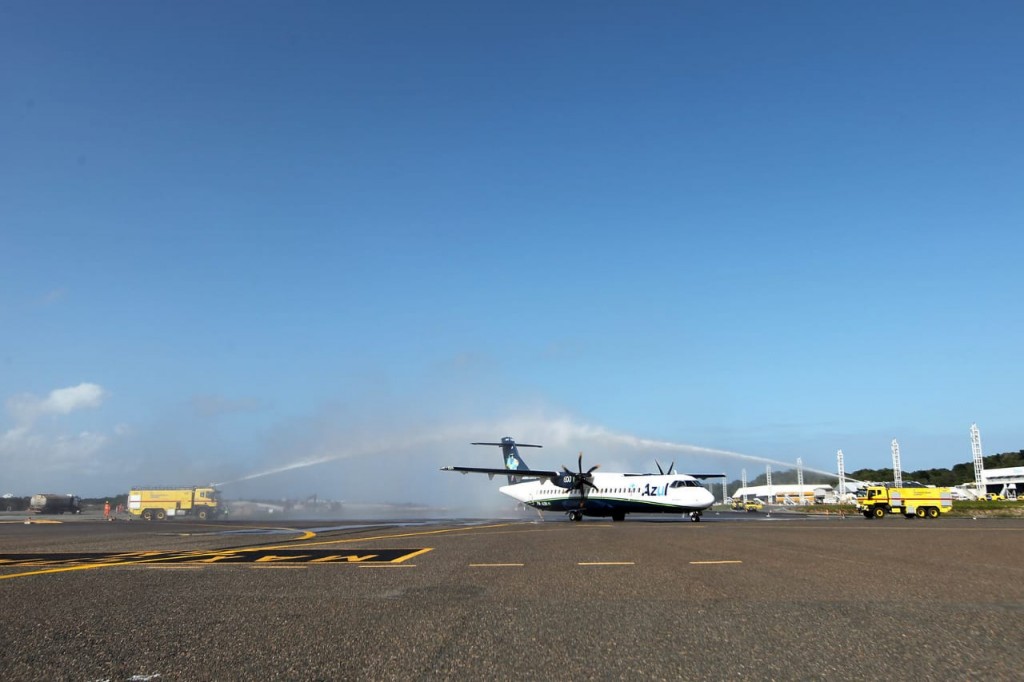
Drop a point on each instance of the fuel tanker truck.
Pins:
(53, 503)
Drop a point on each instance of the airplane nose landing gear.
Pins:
(575, 515)
(695, 516)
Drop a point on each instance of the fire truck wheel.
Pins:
(867, 514)
(147, 515)
(879, 512)
(161, 515)
(933, 513)
(201, 514)
(920, 512)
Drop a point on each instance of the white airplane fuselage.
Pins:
(617, 494)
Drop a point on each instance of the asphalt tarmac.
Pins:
(738, 596)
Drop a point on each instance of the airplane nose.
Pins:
(709, 497)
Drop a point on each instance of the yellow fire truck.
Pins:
(162, 503)
(876, 501)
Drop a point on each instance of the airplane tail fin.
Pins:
(510, 456)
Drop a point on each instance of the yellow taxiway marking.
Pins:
(289, 545)
(170, 567)
(303, 534)
(714, 563)
(273, 566)
(495, 565)
(149, 563)
(420, 533)
(606, 563)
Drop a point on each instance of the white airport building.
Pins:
(786, 493)
(1005, 482)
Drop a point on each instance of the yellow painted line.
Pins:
(65, 569)
(169, 567)
(303, 534)
(713, 563)
(254, 565)
(421, 533)
(405, 558)
(384, 565)
(606, 563)
(495, 565)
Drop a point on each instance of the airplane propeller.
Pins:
(579, 480)
(671, 467)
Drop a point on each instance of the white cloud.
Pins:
(34, 445)
(26, 408)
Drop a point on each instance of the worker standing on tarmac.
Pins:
(106, 510)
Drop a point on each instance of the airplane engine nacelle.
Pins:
(567, 481)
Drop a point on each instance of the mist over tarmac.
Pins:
(378, 474)
(374, 453)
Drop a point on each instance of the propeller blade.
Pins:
(581, 462)
(588, 483)
(672, 467)
(592, 469)
(660, 470)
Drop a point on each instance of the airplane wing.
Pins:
(491, 473)
(703, 476)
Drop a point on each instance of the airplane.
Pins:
(585, 493)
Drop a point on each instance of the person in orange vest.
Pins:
(106, 510)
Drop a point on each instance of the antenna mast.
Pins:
(842, 474)
(897, 471)
(979, 462)
(800, 479)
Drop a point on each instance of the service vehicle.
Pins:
(161, 503)
(875, 501)
(54, 503)
(754, 505)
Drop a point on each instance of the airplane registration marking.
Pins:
(715, 563)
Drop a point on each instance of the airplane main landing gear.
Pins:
(695, 516)
(575, 516)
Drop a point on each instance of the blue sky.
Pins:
(241, 236)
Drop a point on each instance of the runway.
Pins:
(737, 595)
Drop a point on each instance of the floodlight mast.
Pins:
(897, 472)
(743, 482)
(979, 462)
(841, 470)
